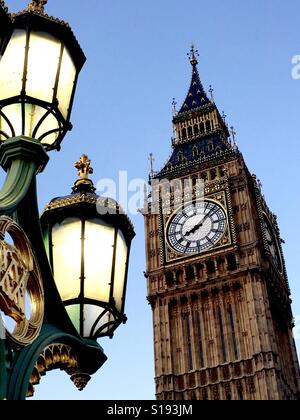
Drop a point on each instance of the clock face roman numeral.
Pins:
(197, 228)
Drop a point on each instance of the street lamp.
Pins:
(57, 321)
(38, 76)
(88, 243)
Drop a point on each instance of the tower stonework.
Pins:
(216, 276)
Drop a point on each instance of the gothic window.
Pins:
(202, 155)
(196, 130)
(222, 335)
(232, 329)
(211, 268)
(183, 134)
(221, 264)
(180, 157)
(190, 132)
(169, 279)
(195, 151)
(189, 273)
(222, 172)
(179, 277)
(213, 174)
(208, 126)
(202, 128)
(231, 262)
(199, 339)
(218, 150)
(200, 271)
(188, 340)
(240, 391)
(210, 147)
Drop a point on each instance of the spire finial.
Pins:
(193, 54)
(224, 116)
(151, 159)
(233, 135)
(84, 184)
(174, 103)
(37, 6)
(211, 91)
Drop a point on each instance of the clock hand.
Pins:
(197, 226)
(200, 224)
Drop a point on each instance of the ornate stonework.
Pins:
(222, 317)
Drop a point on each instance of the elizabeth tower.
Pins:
(217, 282)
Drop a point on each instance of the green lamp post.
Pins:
(57, 305)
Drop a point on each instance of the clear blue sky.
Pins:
(136, 64)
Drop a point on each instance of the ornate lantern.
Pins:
(38, 76)
(88, 243)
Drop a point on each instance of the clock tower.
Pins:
(216, 275)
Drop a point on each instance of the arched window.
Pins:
(195, 151)
(183, 133)
(204, 176)
(202, 128)
(200, 271)
(199, 339)
(222, 335)
(210, 147)
(169, 279)
(231, 262)
(211, 268)
(208, 125)
(188, 340)
(180, 157)
(190, 274)
(213, 174)
(221, 265)
(190, 132)
(233, 335)
(196, 130)
(179, 277)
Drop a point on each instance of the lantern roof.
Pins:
(84, 202)
(35, 18)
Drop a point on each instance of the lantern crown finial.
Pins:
(37, 6)
(84, 184)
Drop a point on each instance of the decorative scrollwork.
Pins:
(55, 356)
(20, 278)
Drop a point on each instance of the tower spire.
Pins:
(196, 97)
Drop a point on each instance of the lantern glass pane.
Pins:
(90, 314)
(13, 113)
(74, 314)
(66, 83)
(120, 270)
(12, 65)
(98, 257)
(66, 240)
(33, 114)
(43, 62)
(48, 124)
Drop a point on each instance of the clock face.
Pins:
(272, 244)
(197, 228)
